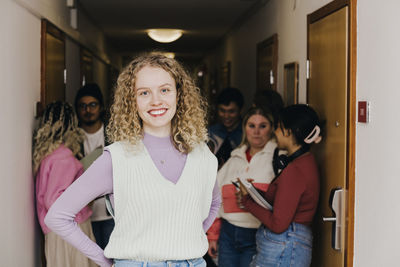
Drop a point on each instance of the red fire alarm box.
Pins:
(363, 110)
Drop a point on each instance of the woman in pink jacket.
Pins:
(57, 144)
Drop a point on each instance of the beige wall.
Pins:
(20, 79)
(377, 229)
(101, 78)
(20, 28)
(87, 34)
(286, 19)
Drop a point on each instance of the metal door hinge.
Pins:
(271, 77)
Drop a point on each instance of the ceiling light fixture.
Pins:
(164, 35)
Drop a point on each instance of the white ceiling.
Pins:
(205, 22)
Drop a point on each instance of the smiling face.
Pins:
(229, 115)
(258, 132)
(156, 100)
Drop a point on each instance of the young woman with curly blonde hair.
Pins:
(159, 169)
(56, 147)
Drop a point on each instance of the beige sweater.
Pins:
(155, 219)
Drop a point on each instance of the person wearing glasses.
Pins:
(89, 107)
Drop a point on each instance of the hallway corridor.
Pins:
(221, 45)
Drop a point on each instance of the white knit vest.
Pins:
(155, 219)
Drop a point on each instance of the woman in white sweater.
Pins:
(233, 233)
(161, 172)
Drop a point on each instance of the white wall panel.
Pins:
(20, 82)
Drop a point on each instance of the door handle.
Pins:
(329, 219)
(336, 205)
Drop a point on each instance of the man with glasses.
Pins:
(90, 110)
(89, 107)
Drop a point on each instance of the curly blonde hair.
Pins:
(58, 125)
(188, 126)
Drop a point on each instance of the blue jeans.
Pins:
(102, 231)
(181, 263)
(290, 248)
(236, 245)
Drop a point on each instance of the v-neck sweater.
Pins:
(96, 181)
(168, 160)
(155, 219)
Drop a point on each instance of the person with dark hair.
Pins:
(233, 233)
(56, 150)
(159, 169)
(285, 236)
(89, 106)
(226, 135)
(269, 99)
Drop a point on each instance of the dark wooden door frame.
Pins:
(260, 46)
(47, 28)
(351, 100)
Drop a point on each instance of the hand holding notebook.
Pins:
(255, 195)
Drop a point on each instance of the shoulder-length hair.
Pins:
(263, 111)
(58, 125)
(188, 126)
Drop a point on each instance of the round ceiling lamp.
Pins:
(164, 35)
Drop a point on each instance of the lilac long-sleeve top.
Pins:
(60, 217)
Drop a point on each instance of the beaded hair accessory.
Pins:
(314, 136)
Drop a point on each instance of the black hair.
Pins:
(269, 99)
(301, 120)
(230, 94)
(89, 89)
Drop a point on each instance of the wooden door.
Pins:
(53, 73)
(267, 62)
(328, 93)
(86, 67)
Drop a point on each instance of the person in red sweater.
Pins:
(285, 236)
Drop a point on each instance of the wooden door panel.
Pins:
(52, 80)
(327, 93)
(267, 62)
(55, 65)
